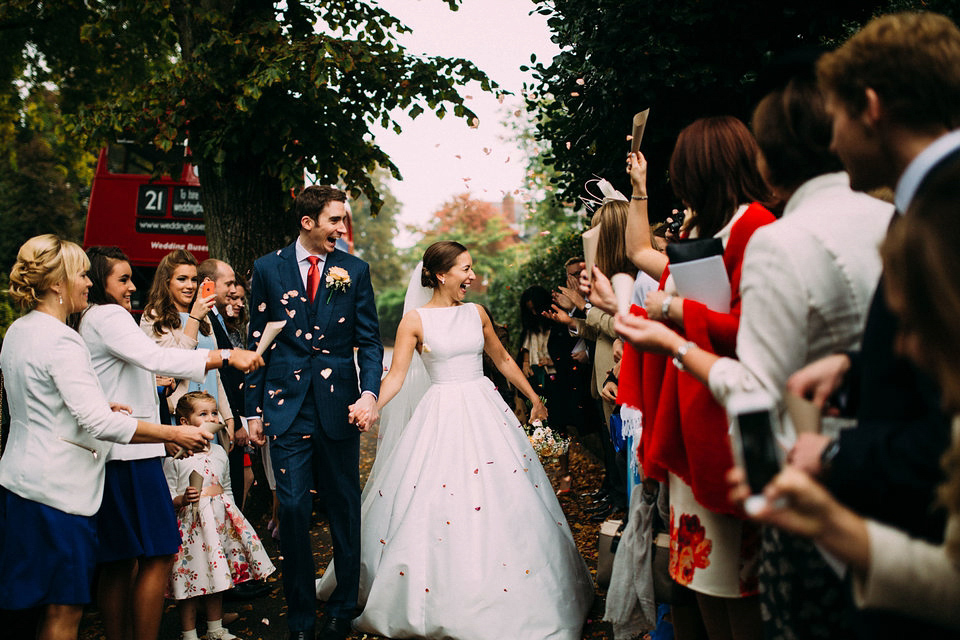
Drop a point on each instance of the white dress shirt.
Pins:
(61, 425)
(304, 263)
(126, 361)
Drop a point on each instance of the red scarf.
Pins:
(684, 428)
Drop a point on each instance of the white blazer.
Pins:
(126, 361)
(61, 425)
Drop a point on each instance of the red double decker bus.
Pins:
(145, 216)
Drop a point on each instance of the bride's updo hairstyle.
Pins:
(439, 258)
(42, 262)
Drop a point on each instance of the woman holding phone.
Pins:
(176, 316)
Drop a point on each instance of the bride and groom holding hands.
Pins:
(462, 535)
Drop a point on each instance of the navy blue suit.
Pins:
(303, 394)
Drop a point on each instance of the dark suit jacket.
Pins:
(231, 378)
(888, 467)
(314, 352)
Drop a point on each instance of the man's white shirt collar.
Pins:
(920, 166)
(302, 253)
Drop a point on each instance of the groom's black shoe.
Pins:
(334, 629)
(301, 635)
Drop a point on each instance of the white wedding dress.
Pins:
(462, 535)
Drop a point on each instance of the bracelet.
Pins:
(639, 197)
(665, 307)
(194, 318)
(678, 356)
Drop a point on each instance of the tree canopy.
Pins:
(482, 228)
(263, 91)
(683, 60)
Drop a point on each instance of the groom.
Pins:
(306, 399)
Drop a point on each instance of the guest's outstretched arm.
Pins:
(640, 248)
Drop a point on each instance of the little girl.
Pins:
(219, 548)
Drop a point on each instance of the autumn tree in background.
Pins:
(482, 228)
(684, 60)
(263, 91)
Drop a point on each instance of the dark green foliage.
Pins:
(263, 94)
(544, 268)
(685, 59)
(390, 310)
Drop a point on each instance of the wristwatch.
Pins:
(678, 356)
(225, 355)
(587, 306)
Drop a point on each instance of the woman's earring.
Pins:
(60, 299)
(442, 280)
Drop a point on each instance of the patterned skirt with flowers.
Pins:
(219, 549)
(713, 554)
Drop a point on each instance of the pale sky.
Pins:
(442, 158)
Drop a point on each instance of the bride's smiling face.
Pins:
(459, 277)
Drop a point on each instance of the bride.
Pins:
(461, 533)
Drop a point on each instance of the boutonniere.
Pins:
(337, 280)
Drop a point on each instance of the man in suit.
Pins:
(893, 91)
(307, 399)
(225, 285)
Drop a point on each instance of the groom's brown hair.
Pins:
(313, 199)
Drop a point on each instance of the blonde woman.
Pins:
(61, 427)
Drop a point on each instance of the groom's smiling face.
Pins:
(320, 236)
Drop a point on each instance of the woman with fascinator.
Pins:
(462, 535)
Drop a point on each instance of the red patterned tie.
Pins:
(313, 278)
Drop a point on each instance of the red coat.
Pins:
(684, 428)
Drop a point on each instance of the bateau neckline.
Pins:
(453, 306)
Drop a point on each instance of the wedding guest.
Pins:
(805, 287)
(176, 316)
(684, 438)
(52, 471)
(534, 357)
(612, 258)
(136, 527)
(220, 547)
(891, 570)
(893, 91)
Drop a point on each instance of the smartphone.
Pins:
(755, 419)
(207, 288)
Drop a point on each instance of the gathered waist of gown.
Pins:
(464, 379)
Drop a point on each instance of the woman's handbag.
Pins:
(610, 534)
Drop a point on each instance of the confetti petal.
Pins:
(291, 312)
(261, 308)
(326, 372)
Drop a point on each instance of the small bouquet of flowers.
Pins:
(545, 442)
(338, 279)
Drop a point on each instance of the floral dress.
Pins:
(219, 547)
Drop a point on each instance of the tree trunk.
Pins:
(245, 213)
